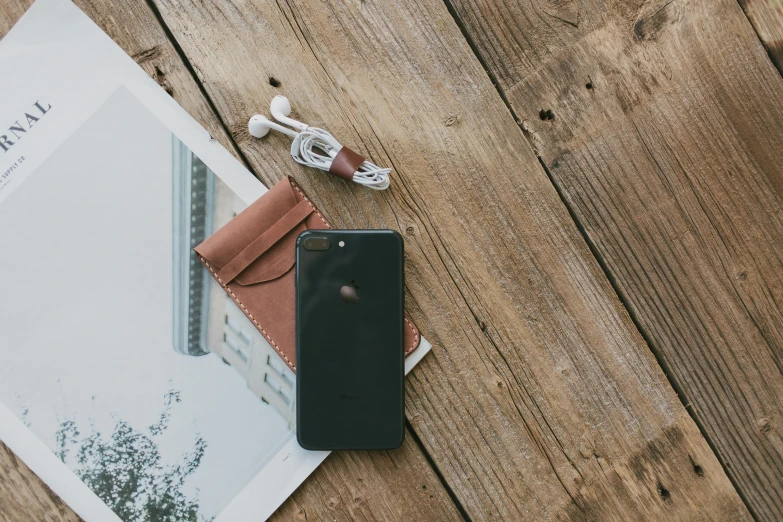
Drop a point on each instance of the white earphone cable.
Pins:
(308, 141)
(304, 151)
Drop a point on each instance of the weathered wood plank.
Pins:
(24, 497)
(661, 123)
(11, 13)
(351, 492)
(766, 16)
(540, 400)
(395, 485)
(134, 27)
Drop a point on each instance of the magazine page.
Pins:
(129, 381)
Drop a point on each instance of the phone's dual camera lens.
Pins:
(317, 243)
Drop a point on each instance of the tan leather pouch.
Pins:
(253, 258)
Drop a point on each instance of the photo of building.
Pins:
(206, 320)
(137, 371)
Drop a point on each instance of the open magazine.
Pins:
(129, 381)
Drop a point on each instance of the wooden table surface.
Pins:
(591, 193)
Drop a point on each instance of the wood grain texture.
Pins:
(661, 124)
(766, 16)
(540, 400)
(134, 27)
(24, 497)
(396, 485)
(345, 489)
(10, 12)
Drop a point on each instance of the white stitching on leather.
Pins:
(247, 313)
(413, 346)
(415, 337)
(329, 225)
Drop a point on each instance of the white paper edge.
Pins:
(292, 464)
(44, 463)
(254, 500)
(259, 499)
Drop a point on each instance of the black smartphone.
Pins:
(349, 339)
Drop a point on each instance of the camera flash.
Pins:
(341, 243)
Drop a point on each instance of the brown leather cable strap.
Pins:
(346, 163)
(263, 242)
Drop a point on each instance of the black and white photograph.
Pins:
(120, 352)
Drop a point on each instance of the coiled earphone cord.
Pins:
(309, 140)
(312, 139)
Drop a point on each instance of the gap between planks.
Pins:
(189, 67)
(601, 262)
(766, 18)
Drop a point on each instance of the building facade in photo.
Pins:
(206, 320)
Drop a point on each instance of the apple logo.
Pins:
(349, 293)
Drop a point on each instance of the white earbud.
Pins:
(280, 109)
(259, 126)
(314, 147)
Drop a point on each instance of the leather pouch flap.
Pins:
(258, 245)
